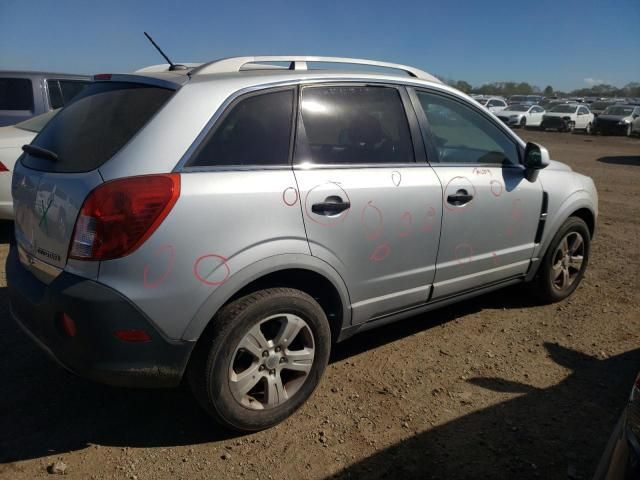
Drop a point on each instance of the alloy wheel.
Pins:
(567, 261)
(271, 362)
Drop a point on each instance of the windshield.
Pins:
(618, 110)
(35, 124)
(564, 109)
(518, 108)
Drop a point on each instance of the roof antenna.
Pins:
(172, 66)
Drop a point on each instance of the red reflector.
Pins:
(133, 335)
(102, 76)
(68, 325)
(118, 216)
(3, 167)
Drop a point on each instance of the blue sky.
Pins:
(565, 43)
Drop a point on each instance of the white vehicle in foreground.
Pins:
(568, 117)
(522, 115)
(493, 104)
(11, 140)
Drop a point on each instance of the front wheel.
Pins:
(261, 358)
(571, 126)
(523, 123)
(565, 261)
(629, 130)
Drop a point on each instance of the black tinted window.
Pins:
(102, 119)
(355, 125)
(256, 131)
(55, 94)
(16, 94)
(71, 88)
(463, 135)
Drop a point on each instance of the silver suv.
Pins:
(229, 222)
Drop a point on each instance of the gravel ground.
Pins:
(495, 387)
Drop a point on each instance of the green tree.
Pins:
(548, 90)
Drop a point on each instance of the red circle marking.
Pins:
(496, 188)
(372, 233)
(287, 193)
(223, 261)
(429, 220)
(163, 277)
(463, 253)
(326, 221)
(453, 208)
(408, 219)
(381, 252)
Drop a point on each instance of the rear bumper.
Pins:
(98, 311)
(610, 128)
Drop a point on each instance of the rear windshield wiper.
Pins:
(40, 152)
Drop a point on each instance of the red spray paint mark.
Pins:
(496, 188)
(407, 219)
(372, 220)
(496, 261)
(463, 253)
(290, 196)
(396, 178)
(516, 210)
(429, 220)
(171, 258)
(221, 261)
(380, 253)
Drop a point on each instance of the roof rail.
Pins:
(298, 62)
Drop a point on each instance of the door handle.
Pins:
(332, 205)
(460, 197)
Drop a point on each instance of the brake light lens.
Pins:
(118, 216)
(3, 167)
(134, 335)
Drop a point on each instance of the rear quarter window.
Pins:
(16, 94)
(96, 125)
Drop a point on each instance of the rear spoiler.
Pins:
(172, 80)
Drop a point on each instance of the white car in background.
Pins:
(12, 138)
(522, 115)
(493, 104)
(568, 117)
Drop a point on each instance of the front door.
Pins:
(370, 202)
(491, 211)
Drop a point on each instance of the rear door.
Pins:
(47, 193)
(371, 204)
(491, 211)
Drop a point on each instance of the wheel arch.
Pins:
(303, 272)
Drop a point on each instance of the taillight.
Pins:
(118, 216)
(3, 167)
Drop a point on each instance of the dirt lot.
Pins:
(496, 387)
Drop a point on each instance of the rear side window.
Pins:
(463, 135)
(16, 94)
(98, 123)
(255, 131)
(349, 124)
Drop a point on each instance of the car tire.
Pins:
(571, 127)
(589, 129)
(222, 369)
(629, 131)
(523, 123)
(565, 261)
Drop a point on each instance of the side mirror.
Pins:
(536, 157)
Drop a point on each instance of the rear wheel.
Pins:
(261, 359)
(589, 129)
(565, 261)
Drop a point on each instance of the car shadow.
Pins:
(47, 410)
(6, 231)
(555, 432)
(622, 160)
